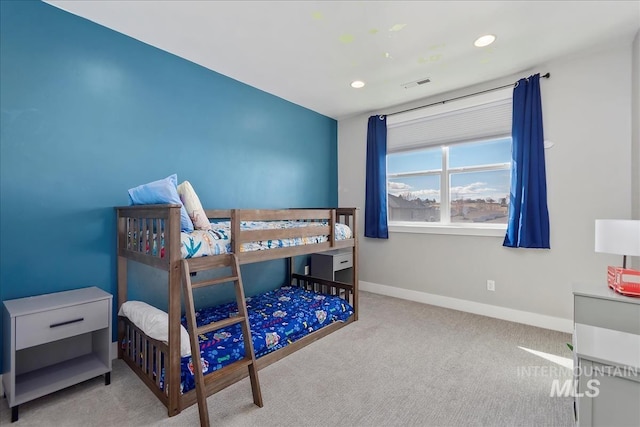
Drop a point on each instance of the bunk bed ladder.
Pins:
(249, 361)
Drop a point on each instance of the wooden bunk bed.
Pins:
(138, 228)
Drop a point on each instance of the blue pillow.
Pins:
(161, 192)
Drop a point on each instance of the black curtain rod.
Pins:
(544, 76)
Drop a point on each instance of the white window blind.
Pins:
(478, 117)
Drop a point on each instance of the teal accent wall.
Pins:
(88, 113)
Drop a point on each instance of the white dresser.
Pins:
(606, 356)
(54, 341)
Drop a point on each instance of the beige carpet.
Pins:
(401, 364)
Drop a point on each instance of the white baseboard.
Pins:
(526, 317)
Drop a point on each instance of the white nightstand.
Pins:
(54, 341)
(607, 356)
(336, 265)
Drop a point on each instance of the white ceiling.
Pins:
(308, 52)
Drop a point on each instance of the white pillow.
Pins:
(154, 323)
(192, 204)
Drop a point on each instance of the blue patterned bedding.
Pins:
(217, 241)
(277, 318)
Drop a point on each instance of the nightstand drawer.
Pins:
(336, 265)
(342, 261)
(598, 312)
(46, 326)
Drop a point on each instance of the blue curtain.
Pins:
(528, 225)
(375, 207)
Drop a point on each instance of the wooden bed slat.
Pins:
(127, 341)
(282, 214)
(145, 236)
(241, 364)
(332, 230)
(219, 325)
(218, 213)
(211, 282)
(158, 365)
(207, 262)
(277, 253)
(130, 235)
(156, 262)
(145, 355)
(146, 211)
(156, 240)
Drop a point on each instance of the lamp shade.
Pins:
(618, 236)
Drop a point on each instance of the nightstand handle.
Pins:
(344, 262)
(55, 325)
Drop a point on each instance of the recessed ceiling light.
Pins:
(357, 84)
(484, 40)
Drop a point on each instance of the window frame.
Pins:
(445, 173)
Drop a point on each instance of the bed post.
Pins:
(332, 228)
(291, 270)
(172, 240)
(122, 274)
(235, 231)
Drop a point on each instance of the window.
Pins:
(451, 168)
(466, 183)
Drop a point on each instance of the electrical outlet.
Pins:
(491, 285)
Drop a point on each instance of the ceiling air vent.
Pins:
(415, 83)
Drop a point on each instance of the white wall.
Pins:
(587, 114)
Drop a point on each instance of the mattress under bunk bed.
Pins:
(150, 234)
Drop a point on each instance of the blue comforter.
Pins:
(277, 318)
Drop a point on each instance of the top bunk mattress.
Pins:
(217, 241)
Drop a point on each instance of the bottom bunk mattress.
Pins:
(277, 318)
